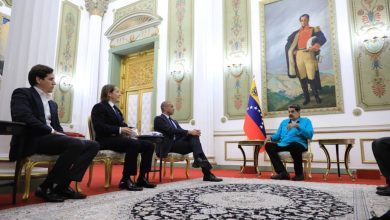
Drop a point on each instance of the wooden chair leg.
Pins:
(154, 167)
(90, 174)
(78, 187)
(187, 167)
(108, 170)
(164, 173)
(305, 169)
(171, 168)
(27, 179)
(309, 167)
(18, 168)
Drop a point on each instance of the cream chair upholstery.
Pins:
(108, 157)
(307, 158)
(171, 158)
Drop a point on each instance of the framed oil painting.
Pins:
(300, 62)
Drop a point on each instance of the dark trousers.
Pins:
(75, 156)
(132, 148)
(295, 149)
(381, 150)
(188, 144)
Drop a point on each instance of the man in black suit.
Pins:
(44, 135)
(114, 134)
(381, 150)
(181, 141)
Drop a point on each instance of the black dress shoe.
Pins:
(212, 178)
(281, 176)
(48, 195)
(199, 162)
(129, 185)
(382, 187)
(69, 193)
(385, 192)
(143, 182)
(298, 178)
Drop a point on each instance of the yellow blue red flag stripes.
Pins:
(253, 124)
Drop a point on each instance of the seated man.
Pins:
(381, 150)
(292, 136)
(44, 135)
(113, 134)
(178, 140)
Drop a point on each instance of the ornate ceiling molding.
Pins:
(96, 7)
(132, 23)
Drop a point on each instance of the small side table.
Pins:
(257, 144)
(348, 143)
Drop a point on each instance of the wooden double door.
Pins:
(136, 85)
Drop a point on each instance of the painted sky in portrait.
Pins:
(282, 19)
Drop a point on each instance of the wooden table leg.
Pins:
(243, 154)
(338, 161)
(346, 160)
(327, 160)
(256, 159)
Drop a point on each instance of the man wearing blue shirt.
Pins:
(291, 136)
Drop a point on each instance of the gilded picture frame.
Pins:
(286, 58)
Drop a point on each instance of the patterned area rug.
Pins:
(233, 198)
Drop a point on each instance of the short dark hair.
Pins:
(163, 105)
(295, 106)
(40, 71)
(105, 91)
(304, 15)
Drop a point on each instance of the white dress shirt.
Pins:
(45, 98)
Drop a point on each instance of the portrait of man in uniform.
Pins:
(300, 56)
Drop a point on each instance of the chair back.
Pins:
(92, 133)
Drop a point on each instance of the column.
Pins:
(32, 40)
(87, 82)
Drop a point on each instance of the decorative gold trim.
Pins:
(235, 159)
(334, 55)
(362, 154)
(317, 132)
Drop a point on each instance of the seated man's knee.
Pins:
(93, 146)
(269, 147)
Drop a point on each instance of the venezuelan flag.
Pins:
(253, 124)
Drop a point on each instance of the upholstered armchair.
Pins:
(307, 158)
(171, 158)
(107, 157)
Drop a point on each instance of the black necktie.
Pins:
(117, 114)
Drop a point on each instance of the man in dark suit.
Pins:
(44, 135)
(381, 150)
(181, 141)
(114, 134)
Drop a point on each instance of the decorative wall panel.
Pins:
(237, 58)
(180, 58)
(370, 32)
(65, 67)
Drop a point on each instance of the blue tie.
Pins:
(117, 114)
(172, 123)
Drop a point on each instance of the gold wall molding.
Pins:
(236, 133)
(237, 158)
(362, 152)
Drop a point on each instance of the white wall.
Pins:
(208, 75)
